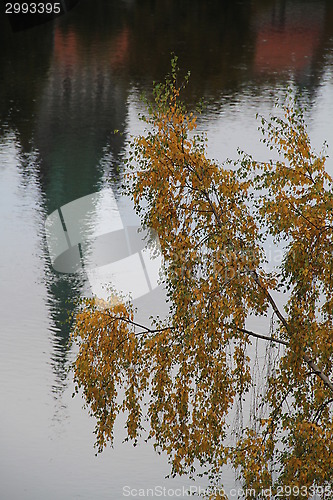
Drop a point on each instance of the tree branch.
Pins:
(255, 275)
(314, 367)
(263, 337)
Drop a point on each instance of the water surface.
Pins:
(65, 87)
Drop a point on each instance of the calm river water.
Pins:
(64, 88)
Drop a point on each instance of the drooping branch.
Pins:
(321, 409)
(314, 367)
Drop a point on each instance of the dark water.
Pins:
(65, 87)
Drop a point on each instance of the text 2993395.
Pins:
(33, 8)
(26, 14)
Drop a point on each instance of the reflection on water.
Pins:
(81, 106)
(65, 89)
(288, 39)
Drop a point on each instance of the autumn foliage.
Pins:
(195, 369)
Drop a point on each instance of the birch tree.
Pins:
(178, 380)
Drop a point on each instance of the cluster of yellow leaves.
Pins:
(106, 363)
(211, 221)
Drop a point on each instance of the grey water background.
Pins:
(64, 88)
